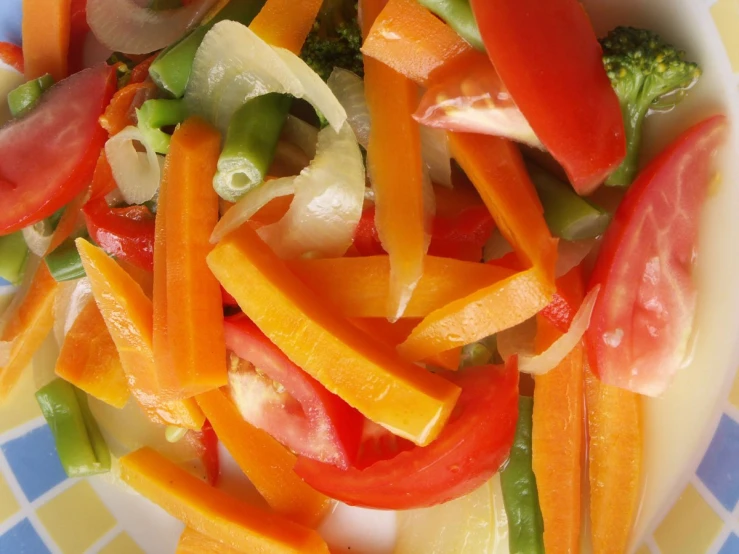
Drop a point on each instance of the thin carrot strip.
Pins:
(192, 542)
(120, 112)
(267, 464)
(557, 441)
(210, 511)
(194, 310)
(12, 55)
(286, 23)
(616, 439)
(27, 328)
(46, 30)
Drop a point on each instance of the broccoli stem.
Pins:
(171, 70)
(568, 215)
(458, 15)
(158, 113)
(250, 145)
(633, 115)
(22, 99)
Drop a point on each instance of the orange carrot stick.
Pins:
(616, 438)
(89, 359)
(188, 212)
(495, 167)
(210, 511)
(46, 28)
(286, 23)
(413, 403)
(557, 441)
(27, 328)
(360, 287)
(192, 542)
(128, 314)
(267, 464)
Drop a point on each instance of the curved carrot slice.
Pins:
(46, 29)
(210, 511)
(267, 464)
(286, 23)
(360, 287)
(192, 542)
(89, 359)
(404, 398)
(616, 441)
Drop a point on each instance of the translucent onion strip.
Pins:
(436, 155)
(126, 26)
(72, 297)
(38, 237)
(137, 174)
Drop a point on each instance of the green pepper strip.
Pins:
(568, 215)
(250, 145)
(13, 255)
(22, 99)
(521, 499)
(81, 446)
(158, 113)
(458, 15)
(64, 262)
(171, 70)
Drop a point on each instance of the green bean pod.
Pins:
(13, 255)
(155, 114)
(64, 262)
(22, 99)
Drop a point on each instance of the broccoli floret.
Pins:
(648, 75)
(335, 39)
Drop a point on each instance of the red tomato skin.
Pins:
(325, 427)
(556, 77)
(643, 317)
(40, 171)
(468, 452)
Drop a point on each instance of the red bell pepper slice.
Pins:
(11, 55)
(206, 443)
(468, 452)
(48, 157)
(280, 398)
(556, 77)
(642, 320)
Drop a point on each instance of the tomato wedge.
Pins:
(642, 320)
(48, 157)
(274, 394)
(556, 68)
(468, 452)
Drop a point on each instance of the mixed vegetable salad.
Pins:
(400, 254)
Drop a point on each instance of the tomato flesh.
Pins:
(274, 394)
(643, 317)
(48, 157)
(471, 448)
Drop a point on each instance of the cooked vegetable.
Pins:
(64, 262)
(46, 26)
(458, 14)
(89, 360)
(649, 75)
(192, 542)
(468, 452)
(11, 55)
(79, 443)
(43, 167)
(121, 112)
(335, 39)
(566, 62)
(641, 325)
(172, 68)
(136, 173)
(274, 25)
(250, 145)
(22, 99)
(13, 256)
(267, 464)
(214, 513)
(520, 494)
(568, 215)
(403, 397)
(155, 114)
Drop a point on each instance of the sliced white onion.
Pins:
(572, 253)
(301, 134)
(517, 340)
(38, 237)
(137, 174)
(251, 203)
(553, 356)
(329, 195)
(348, 88)
(436, 155)
(125, 26)
(234, 65)
(72, 297)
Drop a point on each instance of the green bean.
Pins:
(13, 255)
(64, 262)
(79, 442)
(458, 15)
(171, 70)
(568, 215)
(22, 99)
(520, 496)
(157, 113)
(250, 145)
